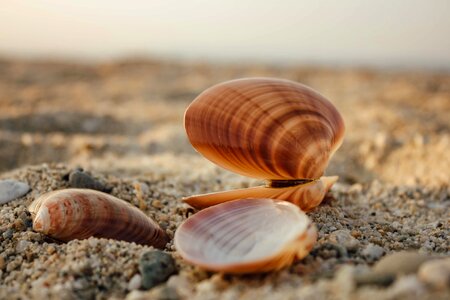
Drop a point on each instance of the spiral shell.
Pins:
(81, 213)
(246, 236)
(265, 128)
(306, 196)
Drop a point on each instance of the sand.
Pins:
(123, 123)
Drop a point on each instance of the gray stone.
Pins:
(8, 234)
(344, 238)
(372, 252)
(404, 262)
(155, 267)
(82, 180)
(12, 189)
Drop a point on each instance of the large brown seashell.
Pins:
(81, 213)
(246, 236)
(272, 129)
(265, 128)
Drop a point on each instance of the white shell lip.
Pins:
(295, 242)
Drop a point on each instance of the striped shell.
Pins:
(246, 236)
(265, 128)
(81, 213)
(306, 196)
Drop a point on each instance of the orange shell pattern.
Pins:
(265, 128)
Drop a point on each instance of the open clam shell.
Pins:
(81, 213)
(306, 195)
(246, 236)
(265, 128)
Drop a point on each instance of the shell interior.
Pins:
(241, 232)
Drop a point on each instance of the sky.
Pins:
(398, 33)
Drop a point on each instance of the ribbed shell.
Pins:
(81, 213)
(306, 196)
(265, 128)
(246, 236)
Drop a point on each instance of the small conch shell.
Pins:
(81, 213)
(246, 236)
(306, 195)
(272, 129)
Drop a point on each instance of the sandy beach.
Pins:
(122, 123)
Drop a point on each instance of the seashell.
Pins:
(266, 128)
(81, 213)
(306, 196)
(246, 236)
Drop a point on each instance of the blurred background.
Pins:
(403, 33)
(104, 84)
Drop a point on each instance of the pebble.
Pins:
(406, 287)
(373, 278)
(12, 189)
(2, 263)
(8, 234)
(403, 262)
(343, 282)
(155, 267)
(82, 180)
(436, 273)
(135, 282)
(344, 238)
(182, 285)
(22, 245)
(372, 252)
(50, 249)
(163, 293)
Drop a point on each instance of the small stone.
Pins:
(155, 267)
(343, 282)
(12, 189)
(157, 204)
(436, 273)
(407, 287)
(404, 262)
(81, 180)
(372, 252)
(26, 219)
(135, 282)
(8, 234)
(19, 225)
(373, 278)
(51, 249)
(163, 293)
(2, 263)
(344, 238)
(22, 245)
(137, 295)
(182, 285)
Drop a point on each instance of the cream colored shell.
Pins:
(246, 236)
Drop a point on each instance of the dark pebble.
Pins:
(8, 234)
(155, 267)
(81, 180)
(26, 219)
